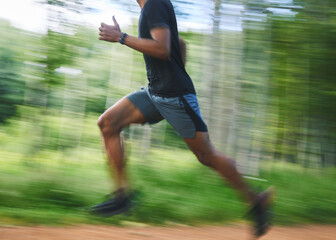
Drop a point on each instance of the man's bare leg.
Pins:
(201, 146)
(111, 122)
(120, 115)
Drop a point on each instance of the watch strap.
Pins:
(122, 38)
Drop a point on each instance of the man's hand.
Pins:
(110, 33)
(158, 46)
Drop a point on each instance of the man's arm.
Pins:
(158, 47)
(183, 50)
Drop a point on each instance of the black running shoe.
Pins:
(118, 202)
(260, 213)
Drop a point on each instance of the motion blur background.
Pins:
(264, 72)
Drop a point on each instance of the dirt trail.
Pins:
(164, 233)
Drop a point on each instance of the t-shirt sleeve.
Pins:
(157, 14)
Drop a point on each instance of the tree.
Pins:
(11, 84)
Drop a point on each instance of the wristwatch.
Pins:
(122, 38)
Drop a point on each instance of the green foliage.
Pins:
(303, 195)
(294, 81)
(11, 84)
(266, 93)
(176, 190)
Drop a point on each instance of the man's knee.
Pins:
(109, 124)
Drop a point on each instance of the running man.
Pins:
(170, 95)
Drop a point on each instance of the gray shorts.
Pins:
(181, 112)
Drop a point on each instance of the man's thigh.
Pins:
(200, 144)
(121, 114)
(144, 104)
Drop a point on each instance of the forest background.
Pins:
(264, 73)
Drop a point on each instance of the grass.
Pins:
(304, 195)
(179, 190)
(53, 187)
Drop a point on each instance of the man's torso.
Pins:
(167, 78)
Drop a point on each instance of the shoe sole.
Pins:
(102, 213)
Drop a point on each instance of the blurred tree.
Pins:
(11, 85)
(302, 82)
(251, 110)
(211, 69)
(58, 48)
(272, 98)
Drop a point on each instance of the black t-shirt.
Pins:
(167, 78)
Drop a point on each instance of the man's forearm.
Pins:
(152, 48)
(148, 46)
